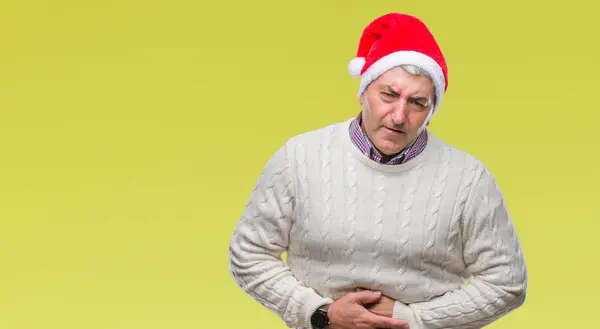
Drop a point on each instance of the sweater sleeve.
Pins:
(493, 256)
(259, 239)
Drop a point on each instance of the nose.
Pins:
(398, 113)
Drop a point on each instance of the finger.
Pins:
(366, 296)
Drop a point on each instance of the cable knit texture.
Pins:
(432, 233)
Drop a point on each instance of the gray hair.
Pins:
(416, 70)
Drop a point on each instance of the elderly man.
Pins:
(384, 224)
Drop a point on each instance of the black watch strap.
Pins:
(319, 319)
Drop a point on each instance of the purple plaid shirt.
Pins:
(360, 139)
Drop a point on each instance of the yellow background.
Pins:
(132, 132)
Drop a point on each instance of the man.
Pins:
(384, 224)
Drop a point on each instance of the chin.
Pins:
(390, 150)
(389, 147)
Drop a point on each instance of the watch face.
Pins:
(319, 320)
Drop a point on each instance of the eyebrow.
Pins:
(418, 99)
(391, 91)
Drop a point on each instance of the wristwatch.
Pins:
(319, 319)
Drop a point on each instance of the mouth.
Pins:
(394, 131)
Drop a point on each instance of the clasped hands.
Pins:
(364, 309)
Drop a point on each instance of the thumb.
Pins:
(367, 296)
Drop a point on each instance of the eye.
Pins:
(417, 103)
(388, 97)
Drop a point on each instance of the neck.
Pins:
(432, 144)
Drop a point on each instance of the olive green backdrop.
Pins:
(132, 132)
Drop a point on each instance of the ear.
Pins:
(362, 99)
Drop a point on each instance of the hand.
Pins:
(349, 312)
(383, 307)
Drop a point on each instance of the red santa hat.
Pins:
(395, 39)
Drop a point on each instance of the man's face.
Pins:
(394, 109)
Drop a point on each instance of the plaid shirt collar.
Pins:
(360, 139)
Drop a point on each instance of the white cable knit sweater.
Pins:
(432, 233)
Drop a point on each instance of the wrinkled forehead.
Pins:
(402, 81)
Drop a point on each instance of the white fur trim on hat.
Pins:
(406, 57)
(355, 66)
(424, 125)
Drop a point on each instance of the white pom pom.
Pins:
(355, 66)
